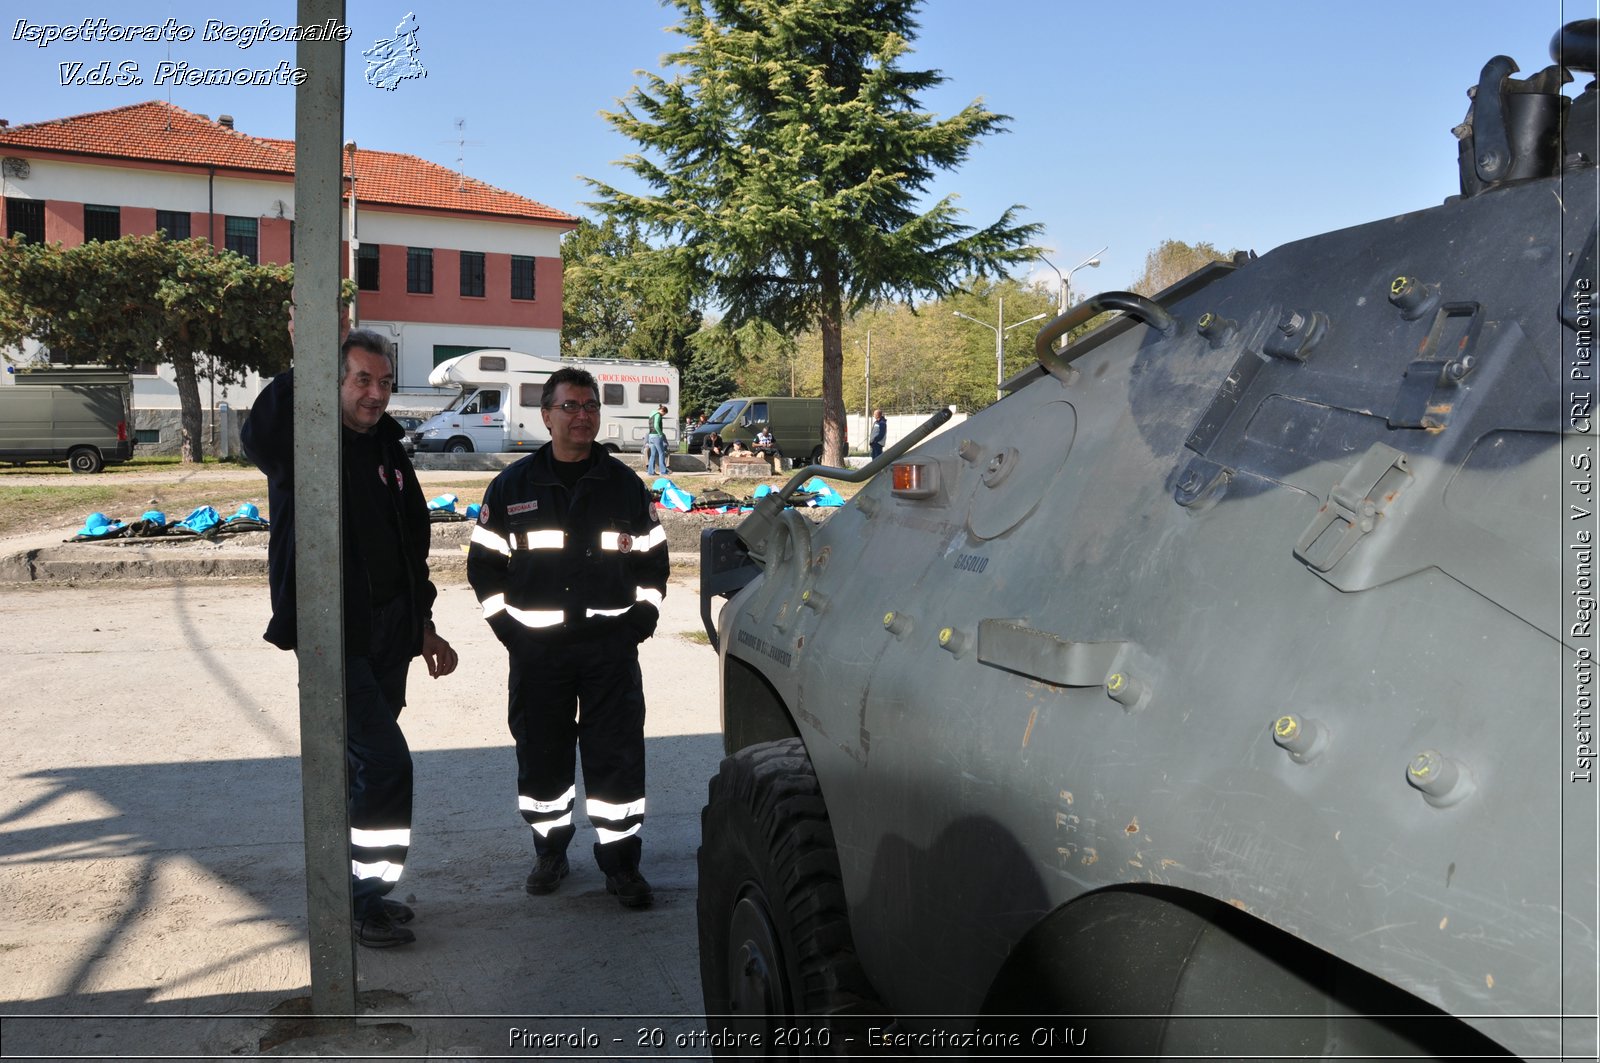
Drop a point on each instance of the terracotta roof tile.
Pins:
(161, 132)
(155, 132)
(394, 178)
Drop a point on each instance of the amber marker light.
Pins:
(914, 479)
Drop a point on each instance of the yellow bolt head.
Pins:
(1116, 681)
(1287, 727)
(945, 635)
(1205, 319)
(888, 618)
(1401, 283)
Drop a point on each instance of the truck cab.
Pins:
(474, 421)
(795, 423)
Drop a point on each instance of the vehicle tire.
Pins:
(85, 459)
(611, 448)
(458, 445)
(774, 935)
(816, 455)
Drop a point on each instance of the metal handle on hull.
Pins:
(1135, 306)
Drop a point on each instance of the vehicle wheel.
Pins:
(816, 455)
(611, 448)
(458, 445)
(774, 936)
(85, 459)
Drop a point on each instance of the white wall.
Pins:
(159, 189)
(375, 225)
(900, 426)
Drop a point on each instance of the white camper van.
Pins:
(498, 407)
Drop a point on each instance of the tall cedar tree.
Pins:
(793, 158)
(123, 303)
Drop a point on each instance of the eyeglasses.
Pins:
(569, 407)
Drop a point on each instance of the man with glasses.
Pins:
(388, 608)
(569, 562)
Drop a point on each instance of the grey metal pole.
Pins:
(1000, 351)
(868, 401)
(319, 136)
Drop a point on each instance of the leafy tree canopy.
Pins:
(787, 161)
(1171, 261)
(141, 299)
(622, 298)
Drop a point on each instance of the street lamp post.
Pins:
(1066, 288)
(1064, 280)
(1000, 328)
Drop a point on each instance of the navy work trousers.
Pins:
(588, 695)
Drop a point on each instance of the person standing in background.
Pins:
(879, 433)
(655, 462)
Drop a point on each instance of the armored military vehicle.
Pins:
(1209, 694)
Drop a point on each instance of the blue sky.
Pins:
(1246, 123)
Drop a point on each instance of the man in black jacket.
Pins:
(569, 562)
(388, 604)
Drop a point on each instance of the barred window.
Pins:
(101, 223)
(419, 270)
(25, 218)
(472, 273)
(521, 277)
(367, 267)
(173, 223)
(242, 236)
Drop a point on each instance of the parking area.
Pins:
(152, 897)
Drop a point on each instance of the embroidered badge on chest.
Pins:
(521, 507)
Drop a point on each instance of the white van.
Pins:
(498, 406)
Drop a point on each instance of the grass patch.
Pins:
(698, 637)
(148, 463)
(26, 510)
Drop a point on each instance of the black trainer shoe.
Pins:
(548, 873)
(397, 912)
(631, 889)
(378, 931)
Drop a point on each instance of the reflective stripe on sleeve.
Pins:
(610, 540)
(495, 603)
(606, 837)
(649, 594)
(380, 839)
(607, 810)
(657, 537)
(384, 869)
(489, 540)
(550, 539)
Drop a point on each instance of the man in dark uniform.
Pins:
(388, 604)
(569, 562)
